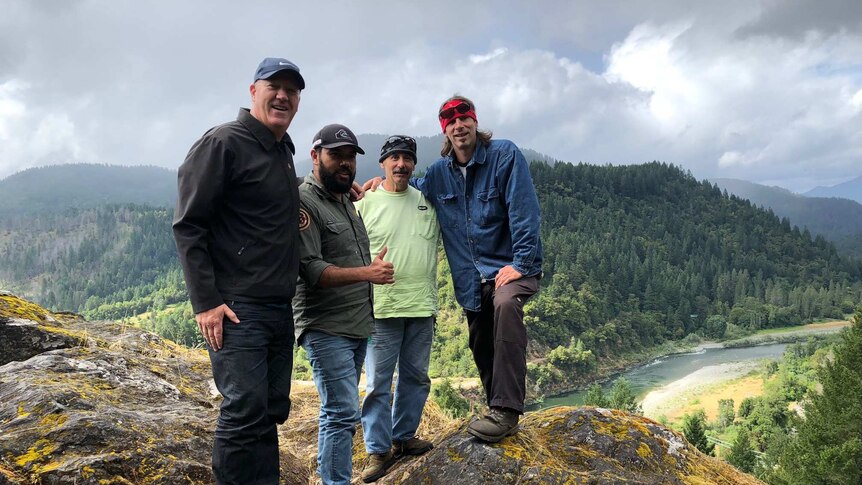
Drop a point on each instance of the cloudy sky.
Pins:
(767, 91)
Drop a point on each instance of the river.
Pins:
(664, 371)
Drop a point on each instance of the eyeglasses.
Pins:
(450, 112)
(396, 140)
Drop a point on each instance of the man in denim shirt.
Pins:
(489, 216)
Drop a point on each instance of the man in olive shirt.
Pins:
(333, 298)
(237, 232)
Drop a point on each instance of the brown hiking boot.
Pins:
(377, 466)
(496, 425)
(414, 446)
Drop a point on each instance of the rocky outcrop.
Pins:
(99, 403)
(90, 402)
(568, 445)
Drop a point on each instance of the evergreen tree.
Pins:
(449, 399)
(694, 429)
(828, 444)
(595, 396)
(726, 414)
(741, 454)
(623, 397)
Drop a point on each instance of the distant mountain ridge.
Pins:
(839, 220)
(86, 185)
(51, 188)
(852, 189)
(427, 150)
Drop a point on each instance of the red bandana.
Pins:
(453, 110)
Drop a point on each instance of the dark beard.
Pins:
(332, 184)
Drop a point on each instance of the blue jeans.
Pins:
(336, 363)
(252, 371)
(407, 342)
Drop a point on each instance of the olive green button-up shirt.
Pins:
(331, 233)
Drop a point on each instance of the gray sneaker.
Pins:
(377, 466)
(414, 446)
(496, 425)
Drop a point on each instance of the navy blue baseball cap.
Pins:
(273, 65)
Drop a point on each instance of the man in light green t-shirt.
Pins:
(399, 220)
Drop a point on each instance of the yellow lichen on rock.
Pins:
(454, 456)
(40, 449)
(13, 307)
(22, 413)
(53, 420)
(644, 451)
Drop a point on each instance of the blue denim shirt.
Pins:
(489, 220)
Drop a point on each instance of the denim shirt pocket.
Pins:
(447, 210)
(491, 210)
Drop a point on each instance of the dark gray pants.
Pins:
(498, 339)
(252, 371)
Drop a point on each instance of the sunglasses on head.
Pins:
(450, 112)
(400, 140)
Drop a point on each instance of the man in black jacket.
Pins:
(236, 227)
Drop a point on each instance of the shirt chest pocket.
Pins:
(424, 225)
(335, 240)
(447, 210)
(490, 206)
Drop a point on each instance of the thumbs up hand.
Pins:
(381, 272)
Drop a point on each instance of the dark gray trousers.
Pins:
(252, 371)
(498, 339)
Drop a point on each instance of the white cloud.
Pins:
(11, 108)
(478, 59)
(731, 89)
(743, 108)
(30, 137)
(737, 159)
(856, 101)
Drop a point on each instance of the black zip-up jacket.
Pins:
(236, 221)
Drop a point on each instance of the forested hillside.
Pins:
(636, 256)
(112, 262)
(838, 220)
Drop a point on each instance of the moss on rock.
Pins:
(100, 403)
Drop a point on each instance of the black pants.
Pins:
(498, 339)
(252, 371)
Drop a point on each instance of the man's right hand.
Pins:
(210, 324)
(381, 272)
(372, 184)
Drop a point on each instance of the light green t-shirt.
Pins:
(406, 224)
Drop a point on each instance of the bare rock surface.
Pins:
(98, 403)
(95, 403)
(567, 445)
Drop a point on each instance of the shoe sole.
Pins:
(416, 452)
(374, 478)
(382, 473)
(489, 438)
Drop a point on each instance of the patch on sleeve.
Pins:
(304, 219)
